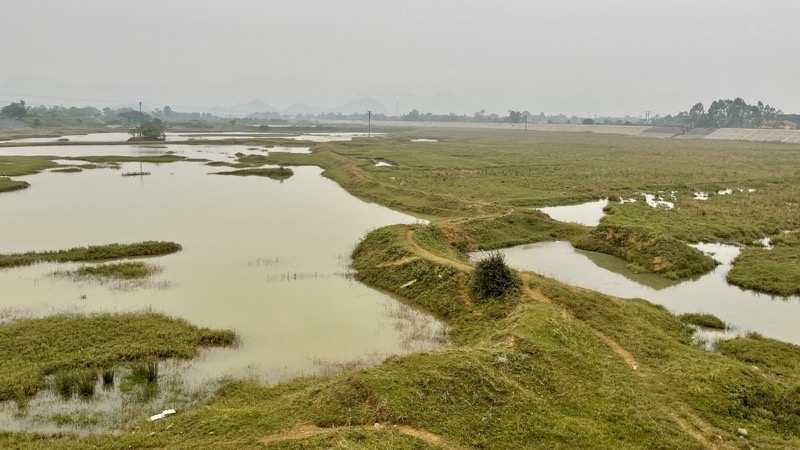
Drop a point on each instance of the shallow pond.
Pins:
(267, 258)
(202, 136)
(746, 310)
(588, 214)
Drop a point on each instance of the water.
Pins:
(267, 258)
(203, 136)
(588, 214)
(774, 317)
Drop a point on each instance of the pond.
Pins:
(269, 259)
(710, 293)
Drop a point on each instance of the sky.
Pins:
(582, 57)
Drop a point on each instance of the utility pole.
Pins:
(647, 117)
(526, 122)
(369, 123)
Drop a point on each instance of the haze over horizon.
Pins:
(617, 57)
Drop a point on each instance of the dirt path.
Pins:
(435, 258)
(305, 431)
(704, 433)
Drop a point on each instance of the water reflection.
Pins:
(747, 310)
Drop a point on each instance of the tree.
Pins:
(514, 116)
(493, 278)
(149, 131)
(588, 121)
(14, 110)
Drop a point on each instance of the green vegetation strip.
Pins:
(33, 348)
(117, 271)
(92, 253)
(774, 271)
(274, 173)
(8, 185)
(703, 320)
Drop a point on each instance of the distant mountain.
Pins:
(361, 105)
(302, 108)
(243, 109)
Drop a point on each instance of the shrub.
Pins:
(493, 278)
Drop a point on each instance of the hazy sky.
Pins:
(584, 57)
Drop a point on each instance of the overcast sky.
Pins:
(584, 57)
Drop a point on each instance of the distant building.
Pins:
(785, 124)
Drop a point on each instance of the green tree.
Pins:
(149, 131)
(14, 110)
(493, 278)
(514, 116)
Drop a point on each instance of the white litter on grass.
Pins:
(751, 190)
(409, 283)
(766, 243)
(162, 414)
(382, 164)
(728, 191)
(424, 140)
(701, 195)
(655, 202)
(627, 200)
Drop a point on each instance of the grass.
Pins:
(774, 271)
(703, 320)
(8, 185)
(92, 253)
(67, 170)
(524, 373)
(117, 271)
(71, 345)
(646, 251)
(279, 173)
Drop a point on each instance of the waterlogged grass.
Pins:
(278, 173)
(67, 170)
(117, 271)
(91, 253)
(704, 320)
(774, 271)
(647, 251)
(74, 348)
(8, 185)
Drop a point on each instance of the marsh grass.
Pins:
(8, 185)
(135, 174)
(146, 371)
(703, 320)
(91, 253)
(67, 170)
(64, 345)
(121, 271)
(280, 173)
(774, 271)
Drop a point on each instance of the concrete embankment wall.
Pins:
(732, 134)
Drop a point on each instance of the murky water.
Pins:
(588, 214)
(267, 258)
(710, 293)
(203, 136)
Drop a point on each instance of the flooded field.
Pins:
(269, 259)
(746, 310)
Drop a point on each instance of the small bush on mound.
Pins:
(703, 320)
(493, 278)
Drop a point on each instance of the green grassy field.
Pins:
(34, 348)
(91, 253)
(552, 366)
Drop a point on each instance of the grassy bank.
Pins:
(8, 185)
(276, 173)
(114, 271)
(774, 271)
(91, 253)
(34, 348)
(646, 251)
(480, 174)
